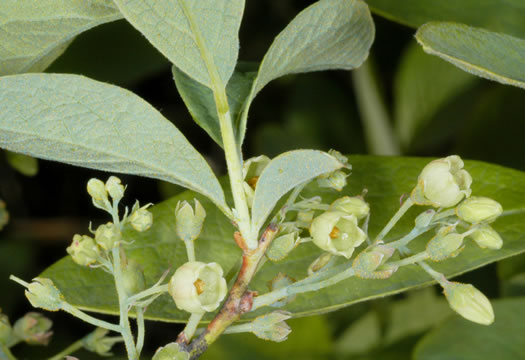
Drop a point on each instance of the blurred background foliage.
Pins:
(433, 109)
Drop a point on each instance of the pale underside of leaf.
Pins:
(35, 33)
(75, 120)
(282, 174)
(385, 178)
(199, 37)
(487, 54)
(330, 34)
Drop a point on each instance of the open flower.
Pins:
(197, 287)
(443, 183)
(337, 232)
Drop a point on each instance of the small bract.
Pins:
(443, 183)
(197, 287)
(469, 302)
(337, 232)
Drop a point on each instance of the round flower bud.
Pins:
(443, 183)
(444, 245)
(197, 287)
(469, 302)
(107, 236)
(351, 206)
(337, 232)
(99, 343)
(33, 329)
(335, 180)
(141, 219)
(487, 237)
(478, 209)
(5, 329)
(188, 223)
(83, 250)
(97, 190)
(115, 188)
(171, 351)
(133, 278)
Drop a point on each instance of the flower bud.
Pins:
(83, 250)
(42, 293)
(278, 282)
(425, 218)
(6, 330)
(188, 223)
(351, 206)
(171, 351)
(442, 183)
(340, 157)
(97, 190)
(469, 302)
(133, 278)
(141, 219)
(33, 329)
(304, 218)
(320, 262)
(272, 326)
(479, 209)
(107, 236)
(336, 232)
(197, 287)
(335, 180)
(366, 263)
(283, 244)
(115, 188)
(444, 245)
(99, 343)
(487, 237)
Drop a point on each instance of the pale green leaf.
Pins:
(282, 174)
(35, 33)
(506, 17)
(330, 34)
(458, 338)
(75, 120)
(386, 178)
(201, 104)
(423, 85)
(487, 54)
(199, 37)
(24, 164)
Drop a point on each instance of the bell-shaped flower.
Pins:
(469, 302)
(443, 183)
(337, 232)
(189, 222)
(197, 287)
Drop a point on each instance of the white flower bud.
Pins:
(197, 287)
(115, 188)
(469, 302)
(141, 219)
(83, 250)
(97, 190)
(351, 206)
(188, 223)
(443, 183)
(336, 232)
(478, 209)
(487, 237)
(107, 236)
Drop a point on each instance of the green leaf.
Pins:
(75, 120)
(282, 174)
(35, 33)
(487, 54)
(330, 34)
(24, 164)
(199, 37)
(423, 85)
(461, 339)
(490, 14)
(200, 101)
(386, 179)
